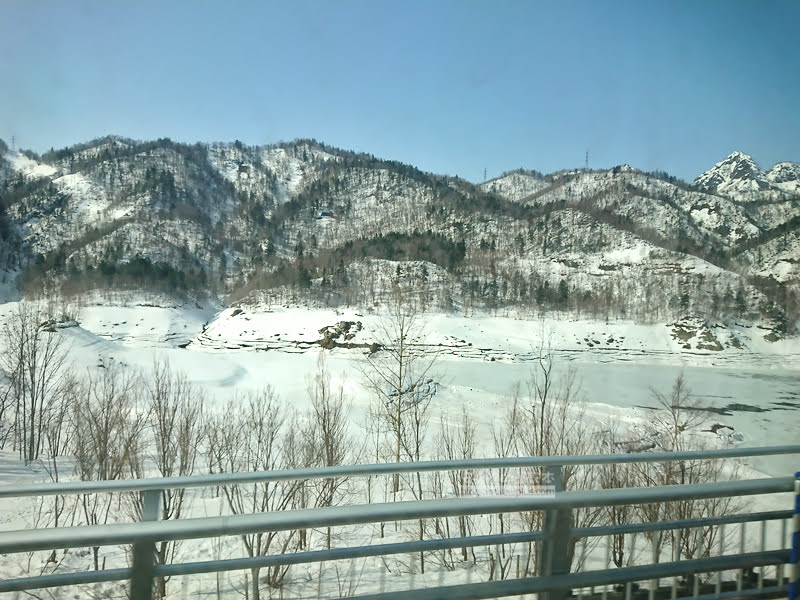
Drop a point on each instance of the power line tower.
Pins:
(13, 142)
(586, 166)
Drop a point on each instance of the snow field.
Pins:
(482, 359)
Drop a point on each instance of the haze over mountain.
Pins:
(303, 221)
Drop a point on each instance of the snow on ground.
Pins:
(515, 186)
(90, 200)
(28, 167)
(783, 261)
(492, 338)
(637, 253)
(752, 392)
(288, 170)
(145, 325)
(481, 358)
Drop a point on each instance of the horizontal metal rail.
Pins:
(491, 589)
(529, 585)
(238, 564)
(552, 583)
(603, 530)
(130, 533)
(235, 564)
(21, 584)
(220, 479)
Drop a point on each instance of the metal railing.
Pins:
(554, 579)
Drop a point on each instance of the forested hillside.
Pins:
(306, 222)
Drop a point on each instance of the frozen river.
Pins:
(761, 405)
(755, 392)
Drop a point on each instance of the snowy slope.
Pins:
(481, 359)
(29, 168)
(738, 172)
(786, 176)
(516, 185)
(740, 177)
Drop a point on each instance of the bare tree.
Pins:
(613, 476)
(301, 450)
(550, 421)
(674, 426)
(174, 431)
(699, 542)
(456, 443)
(34, 360)
(58, 428)
(675, 413)
(250, 435)
(327, 434)
(107, 435)
(414, 429)
(58, 438)
(554, 423)
(502, 481)
(400, 373)
(51, 511)
(6, 409)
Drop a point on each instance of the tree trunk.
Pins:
(31, 438)
(421, 554)
(254, 583)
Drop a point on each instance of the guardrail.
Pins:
(554, 580)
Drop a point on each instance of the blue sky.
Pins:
(451, 87)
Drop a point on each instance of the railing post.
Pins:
(554, 558)
(794, 555)
(144, 551)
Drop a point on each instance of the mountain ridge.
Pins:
(305, 220)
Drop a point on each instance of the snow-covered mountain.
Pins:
(303, 221)
(740, 177)
(786, 176)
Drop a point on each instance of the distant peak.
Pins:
(786, 176)
(785, 165)
(740, 159)
(738, 172)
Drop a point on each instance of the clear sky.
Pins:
(452, 87)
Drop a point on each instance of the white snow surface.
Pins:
(88, 199)
(753, 388)
(28, 167)
(786, 176)
(515, 186)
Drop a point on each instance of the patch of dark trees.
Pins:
(330, 265)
